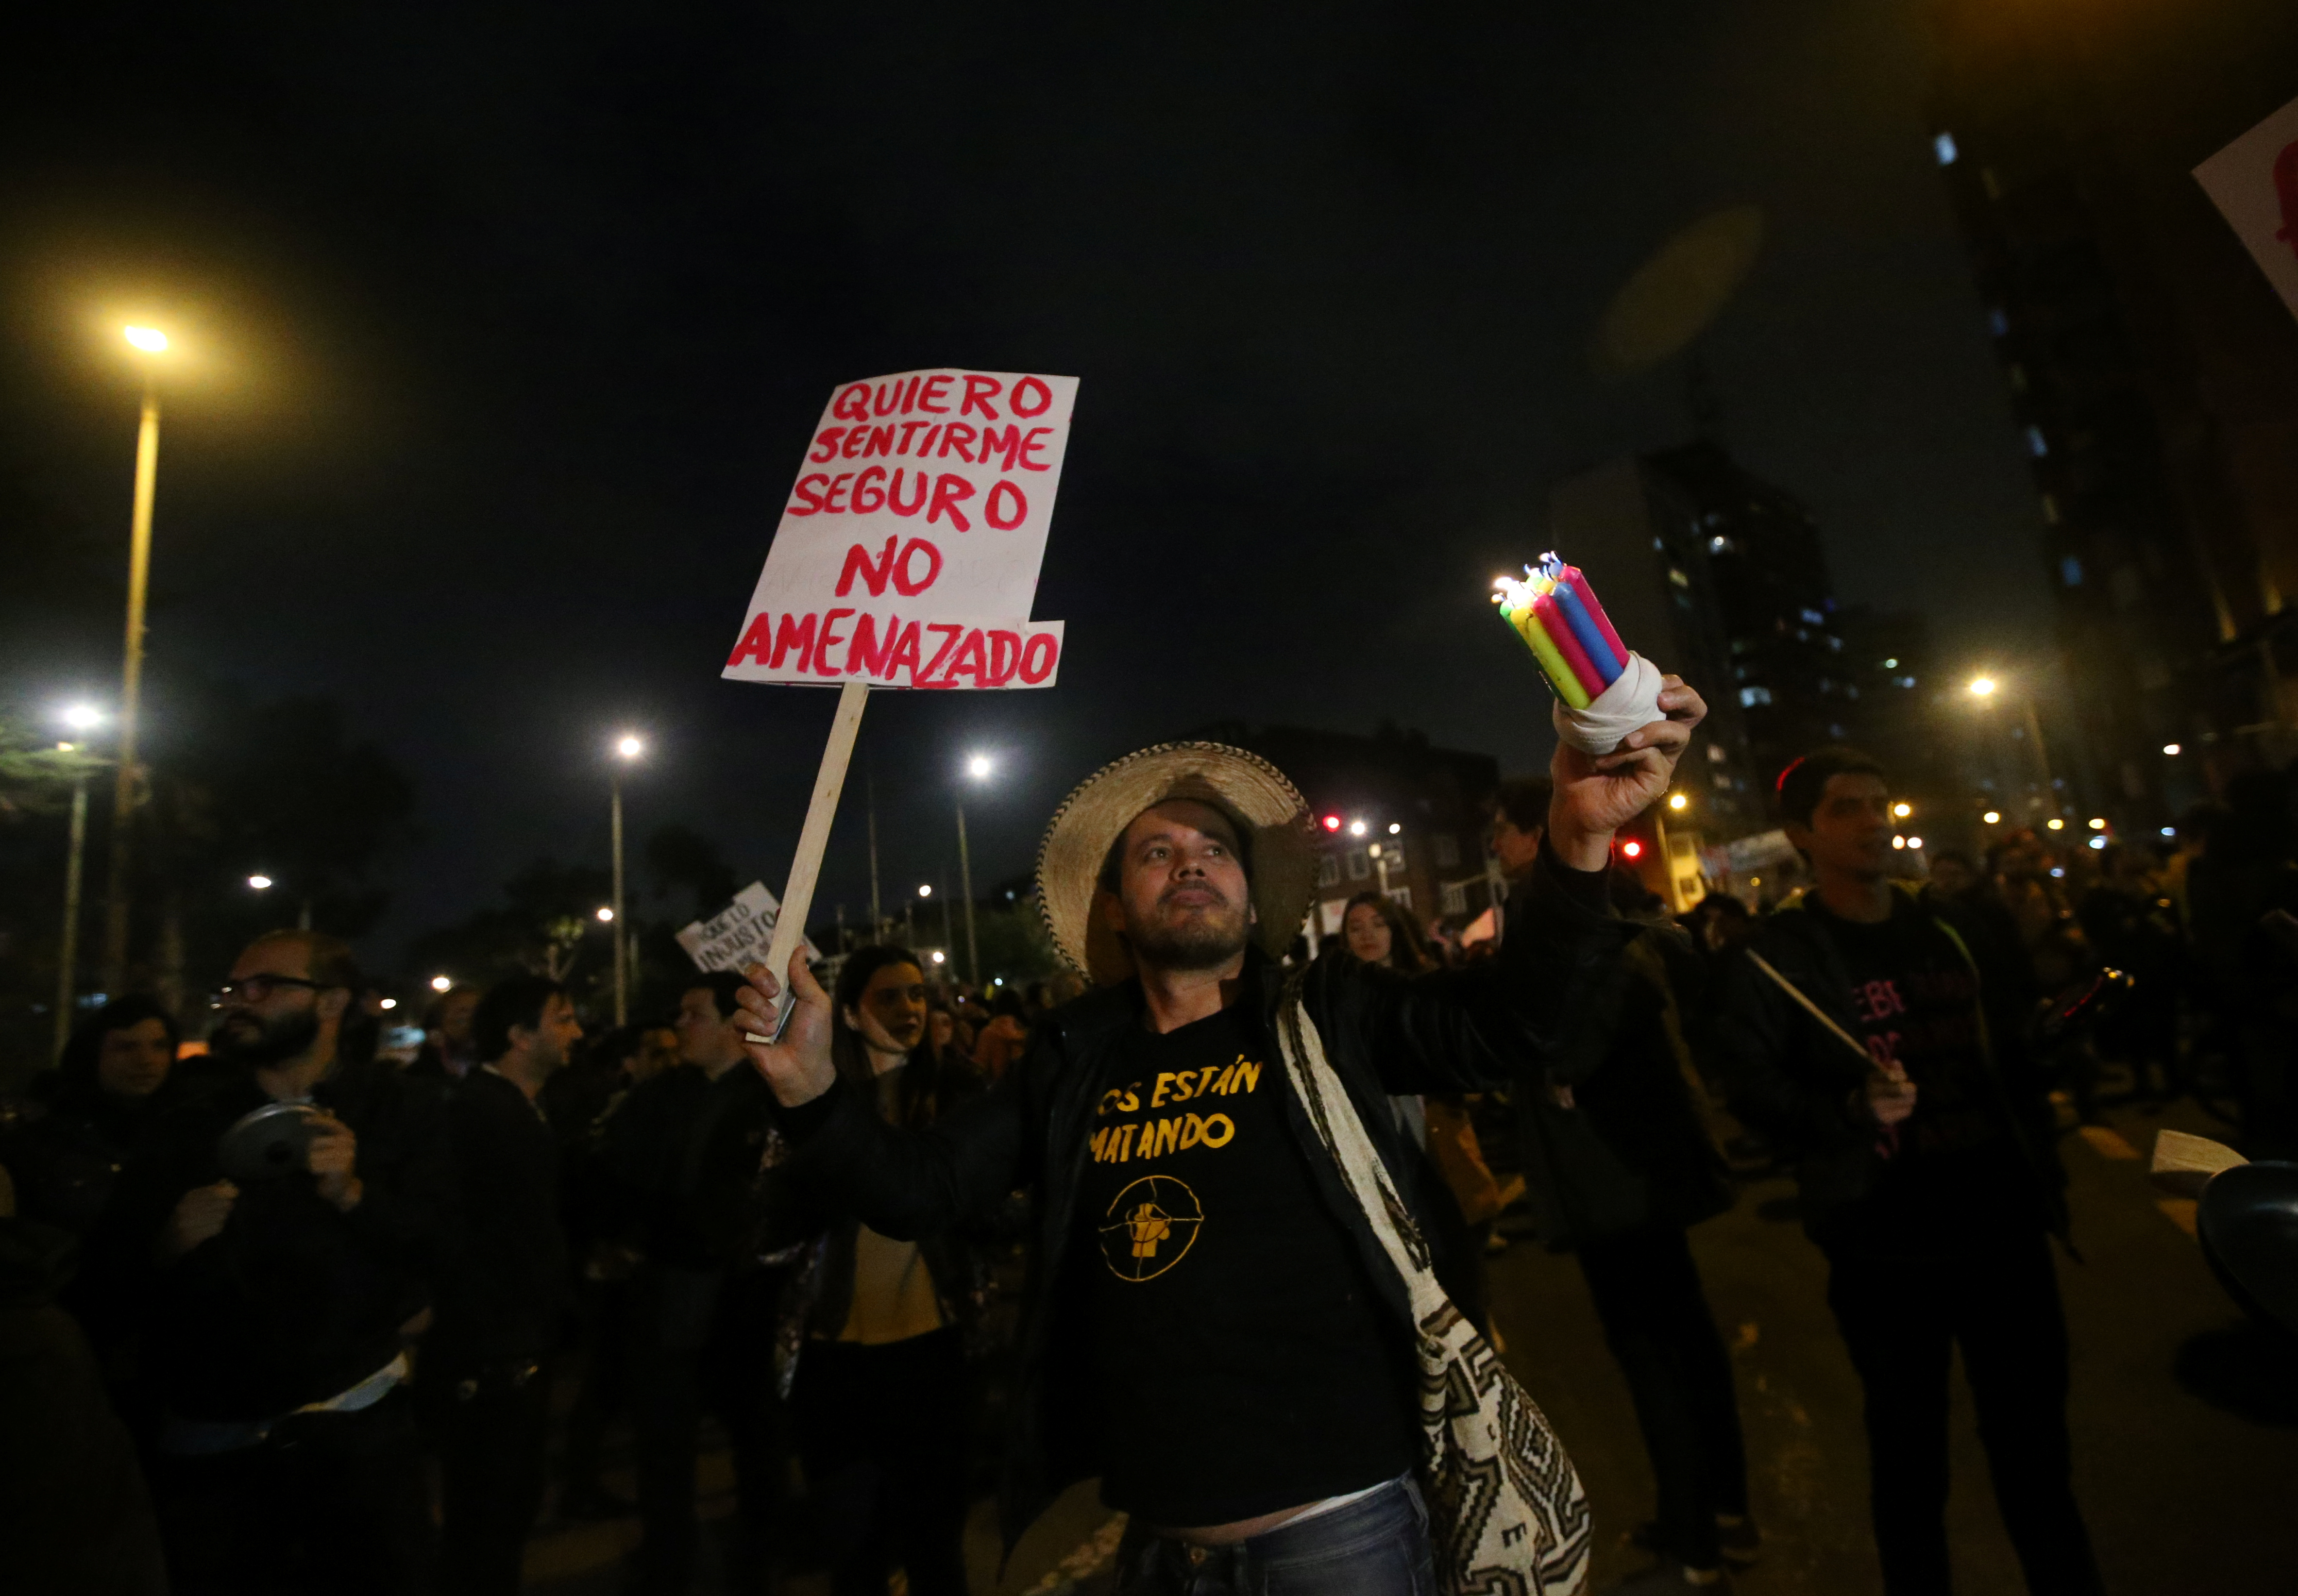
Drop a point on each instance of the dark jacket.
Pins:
(684, 1152)
(503, 1282)
(825, 1234)
(74, 1515)
(294, 1302)
(1613, 1143)
(1800, 1086)
(1453, 1030)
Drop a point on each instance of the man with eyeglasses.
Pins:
(286, 1460)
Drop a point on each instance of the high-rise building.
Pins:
(2154, 374)
(1725, 573)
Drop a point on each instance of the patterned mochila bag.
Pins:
(1508, 1515)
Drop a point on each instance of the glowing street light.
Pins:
(1984, 688)
(1899, 842)
(81, 719)
(1915, 843)
(1357, 828)
(606, 916)
(1677, 801)
(146, 341)
(388, 1004)
(2171, 749)
(2098, 822)
(2055, 823)
(1993, 817)
(1900, 811)
(1395, 828)
(439, 983)
(628, 746)
(261, 883)
(979, 766)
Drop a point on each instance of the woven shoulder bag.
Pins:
(1508, 1514)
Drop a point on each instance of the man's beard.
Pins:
(1200, 942)
(245, 1039)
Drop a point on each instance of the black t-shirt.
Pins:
(1953, 1177)
(1241, 1355)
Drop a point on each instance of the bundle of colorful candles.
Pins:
(1555, 613)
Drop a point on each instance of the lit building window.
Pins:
(1815, 617)
(1359, 864)
(1455, 897)
(1943, 146)
(1328, 871)
(1750, 696)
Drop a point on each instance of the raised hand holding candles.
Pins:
(1604, 691)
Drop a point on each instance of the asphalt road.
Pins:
(2185, 1422)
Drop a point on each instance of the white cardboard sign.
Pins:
(908, 549)
(2254, 182)
(738, 934)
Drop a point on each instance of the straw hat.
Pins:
(1267, 810)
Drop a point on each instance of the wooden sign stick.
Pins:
(805, 866)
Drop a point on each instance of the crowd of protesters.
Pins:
(287, 1316)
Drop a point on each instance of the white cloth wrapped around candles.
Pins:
(1632, 700)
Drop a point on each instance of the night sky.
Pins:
(504, 326)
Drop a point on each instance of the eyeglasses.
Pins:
(256, 989)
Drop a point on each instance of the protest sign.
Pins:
(2253, 182)
(907, 552)
(906, 556)
(738, 934)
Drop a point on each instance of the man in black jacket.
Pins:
(1211, 1324)
(286, 1461)
(1620, 1168)
(685, 1154)
(503, 1286)
(1860, 1035)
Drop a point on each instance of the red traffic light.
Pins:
(1332, 823)
(1633, 849)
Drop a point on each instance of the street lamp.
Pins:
(81, 718)
(1984, 688)
(627, 748)
(261, 883)
(979, 766)
(439, 983)
(147, 342)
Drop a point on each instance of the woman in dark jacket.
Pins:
(875, 1325)
(91, 1117)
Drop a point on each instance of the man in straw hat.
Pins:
(1211, 1324)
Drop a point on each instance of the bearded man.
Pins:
(1211, 1325)
(285, 1459)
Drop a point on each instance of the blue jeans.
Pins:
(1377, 1546)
